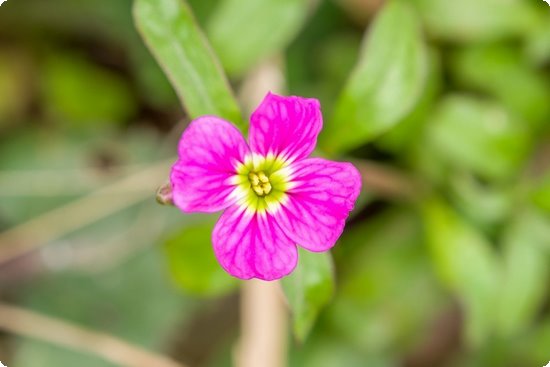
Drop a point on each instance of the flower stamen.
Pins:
(259, 182)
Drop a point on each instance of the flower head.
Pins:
(274, 197)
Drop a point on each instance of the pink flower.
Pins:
(274, 197)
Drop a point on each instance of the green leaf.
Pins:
(536, 343)
(541, 193)
(193, 264)
(386, 83)
(413, 123)
(486, 205)
(480, 136)
(503, 72)
(308, 289)
(475, 20)
(245, 31)
(538, 42)
(526, 271)
(466, 264)
(77, 92)
(173, 36)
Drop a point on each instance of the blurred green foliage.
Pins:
(66, 81)
(170, 30)
(309, 288)
(386, 82)
(270, 26)
(454, 94)
(194, 265)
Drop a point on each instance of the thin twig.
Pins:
(33, 325)
(61, 182)
(64, 219)
(119, 247)
(386, 181)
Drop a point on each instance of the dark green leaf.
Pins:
(308, 289)
(386, 83)
(68, 80)
(172, 35)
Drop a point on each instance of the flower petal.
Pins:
(285, 127)
(209, 151)
(322, 193)
(252, 245)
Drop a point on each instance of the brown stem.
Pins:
(387, 182)
(263, 326)
(31, 324)
(81, 212)
(263, 313)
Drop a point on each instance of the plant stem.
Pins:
(56, 223)
(263, 325)
(31, 324)
(264, 315)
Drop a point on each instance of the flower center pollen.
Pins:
(259, 183)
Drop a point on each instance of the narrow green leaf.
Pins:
(386, 83)
(173, 36)
(413, 123)
(308, 289)
(466, 265)
(245, 31)
(193, 264)
(526, 271)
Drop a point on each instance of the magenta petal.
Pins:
(209, 151)
(251, 245)
(322, 195)
(285, 126)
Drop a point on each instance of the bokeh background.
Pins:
(443, 105)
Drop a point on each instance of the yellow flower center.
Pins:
(262, 183)
(259, 182)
